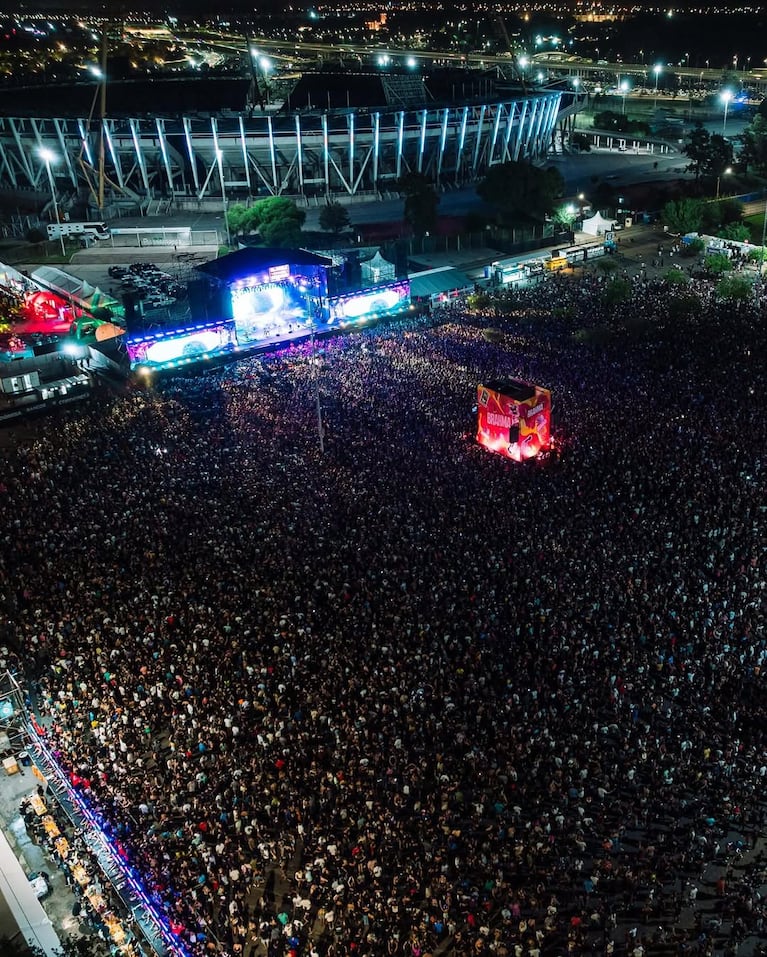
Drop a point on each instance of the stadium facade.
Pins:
(294, 149)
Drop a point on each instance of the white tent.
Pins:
(598, 225)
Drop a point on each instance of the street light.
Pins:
(725, 172)
(657, 69)
(624, 88)
(219, 158)
(726, 98)
(48, 157)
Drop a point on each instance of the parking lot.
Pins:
(156, 278)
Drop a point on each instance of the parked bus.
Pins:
(91, 230)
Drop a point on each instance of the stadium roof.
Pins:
(246, 262)
(161, 97)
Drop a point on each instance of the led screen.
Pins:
(269, 310)
(371, 302)
(515, 428)
(188, 344)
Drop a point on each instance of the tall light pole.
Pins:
(316, 377)
(726, 99)
(725, 172)
(657, 71)
(764, 249)
(49, 157)
(219, 158)
(624, 88)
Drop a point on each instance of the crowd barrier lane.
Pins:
(152, 923)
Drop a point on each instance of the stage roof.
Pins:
(255, 259)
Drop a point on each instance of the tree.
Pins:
(736, 287)
(719, 156)
(683, 215)
(696, 149)
(717, 264)
(521, 190)
(693, 248)
(581, 142)
(334, 218)
(675, 277)
(421, 202)
(753, 154)
(737, 232)
(565, 215)
(278, 220)
(239, 218)
(721, 213)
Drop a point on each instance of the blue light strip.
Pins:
(154, 917)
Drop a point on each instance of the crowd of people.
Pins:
(404, 696)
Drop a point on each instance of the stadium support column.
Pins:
(496, 125)
(163, 151)
(326, 154)
(140, 159)
(376, 147)
(520, 130)
(442, 140)
(244, 147)
(478, 139)
(400, 140)
(461, 143)
(273, 156)
(190, 154)
(299, 157)
(114, 154)
(509, 129)
(422, 139)
(23, 159)
(65, 152)
(6, 165)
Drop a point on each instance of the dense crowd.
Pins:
(406, 695)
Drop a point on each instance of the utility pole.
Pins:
(102, 117)
(316, 378)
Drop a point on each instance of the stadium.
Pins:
(334, 135)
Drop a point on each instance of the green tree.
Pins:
(721, 213)
(758, 255)
(737, 232)
(675, 277)
(735, 287)
(683, 215)
(717, 264)
(278, 220)
(522, 191)
(753, 154)
(334, 218)
(421, 202)
(239, 218)
(565, 215)
(718, 157)
(696, 149)
(694, 248)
